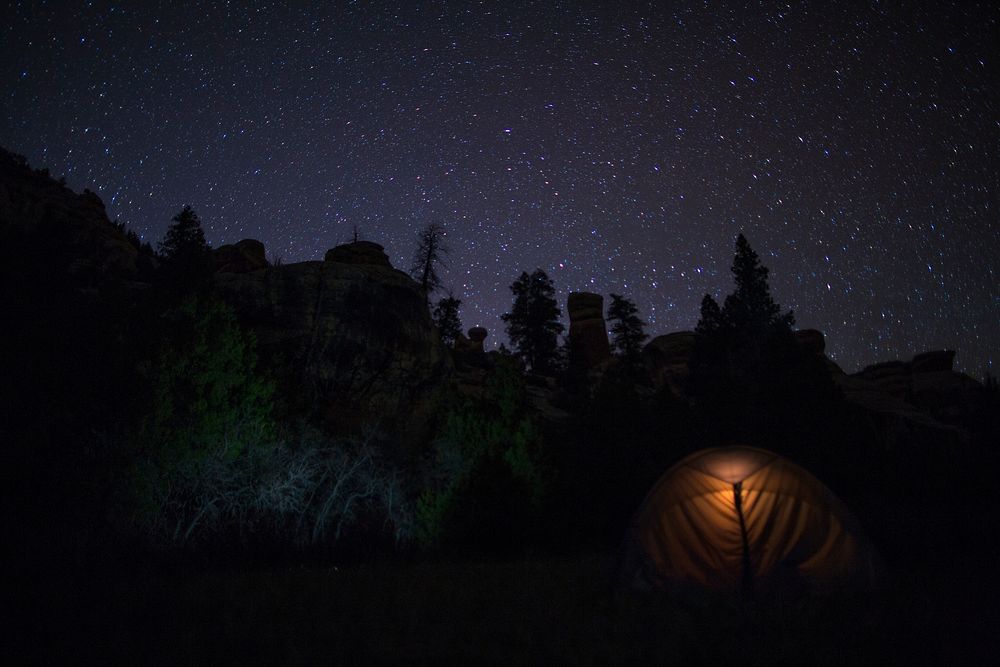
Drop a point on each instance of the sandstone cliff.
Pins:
(351, 336)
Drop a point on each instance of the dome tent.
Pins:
(734, 518)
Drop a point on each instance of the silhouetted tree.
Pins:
(489, 480)
(187, 259)
(533, 323)
(627, 334)
(748, 321)
(446, 319)
(748, 375)
(431, 250)
(184, 237)
(751, 306)
(711, 317)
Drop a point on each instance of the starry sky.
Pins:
(621, 147)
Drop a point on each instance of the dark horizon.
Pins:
(619, 150)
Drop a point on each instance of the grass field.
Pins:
(541, 610)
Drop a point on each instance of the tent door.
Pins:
(747, 579)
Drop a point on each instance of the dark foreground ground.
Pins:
(542, 610)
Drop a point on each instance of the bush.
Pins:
(292, 495)
(210, 464)
(486, 477)
(208, 399)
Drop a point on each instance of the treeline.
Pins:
(188, 445)
(533, 324)
(142, 419)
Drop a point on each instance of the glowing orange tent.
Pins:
(738, 517)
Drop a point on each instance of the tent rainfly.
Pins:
(732, 518)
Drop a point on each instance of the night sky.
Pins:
(621, 150)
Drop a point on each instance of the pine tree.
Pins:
(751, 306)
(745, 370)
(185, 237)
(533, 323)
(431, 250)
(711, 317)
(446, 319)
(627, 334)
(187, 259)
(749, 315)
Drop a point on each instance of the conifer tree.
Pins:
(751, 306)
(711, 317)
(746, 370)
(185, 237)
(750, 314)
(187, 259)
(533, 324)
(445, 316)
(627, 334)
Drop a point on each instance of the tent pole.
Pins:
(747, 581)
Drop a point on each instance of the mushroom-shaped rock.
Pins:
(476, 336)
(358, 252)
(588, 333)
(473, 343)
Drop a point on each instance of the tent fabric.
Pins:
(688, 529)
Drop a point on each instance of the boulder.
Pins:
(588, 333)
(811, 340)
(667, 360)
(243, 257)
(359, 252)
(478, 335)
(473, 343)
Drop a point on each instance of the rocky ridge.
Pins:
(351, 336)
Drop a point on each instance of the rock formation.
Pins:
(918, 400)
(242, 257)
(471, 344)
(926, 385)
(352, 336)
(811, 340)
(359, 252)
(477, 335)
(52, 226)
(588, 333)
(667, 360)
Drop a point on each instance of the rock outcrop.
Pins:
(588, 333)
(471, 344)
(242, 257)
(918, 400)
(477, 336)
(352, 336)
(925, 385)
(366, 253)
(667, 360)
(811, 340)
(52, 226)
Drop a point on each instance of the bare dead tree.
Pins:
(430, 254)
